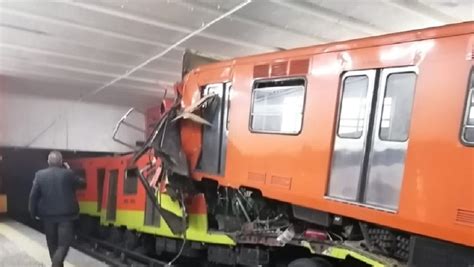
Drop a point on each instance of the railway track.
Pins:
(116, 255)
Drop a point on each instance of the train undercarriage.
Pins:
(266, 233)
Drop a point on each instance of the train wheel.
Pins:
(314, 262)
(131, 240)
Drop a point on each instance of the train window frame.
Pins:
(130, 185)
(343, 79)
(385, 89)
(301, 82)
(468, 106)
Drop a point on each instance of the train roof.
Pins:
(386, 39)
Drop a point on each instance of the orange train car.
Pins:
(115, 206)
(372, 139)
(111, 186)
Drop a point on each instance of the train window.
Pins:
(130, 182)
(468, 127)
(397, 106)
(353, 106)
(278, 106)
(470, 116)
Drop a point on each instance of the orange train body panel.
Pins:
(109, 163)
(129, 202)
(88, 167)
(438, 177)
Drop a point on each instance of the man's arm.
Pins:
(79, 182)
(34, 197)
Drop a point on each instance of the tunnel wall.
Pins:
(43, 122)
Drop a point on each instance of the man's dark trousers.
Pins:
(59, 236)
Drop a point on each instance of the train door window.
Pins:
(130, 182)
(468, 127)
(470, 113)
(397, 106)
(277, 106)
(387, 147)
(353, 107)
(100, 187)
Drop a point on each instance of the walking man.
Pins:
(53, 200)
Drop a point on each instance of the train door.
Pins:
(152, 214)
(214, 138)
(371, 137)
(112, 196)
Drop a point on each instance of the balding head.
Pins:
(55, 159)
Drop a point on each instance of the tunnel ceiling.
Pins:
(76, 47)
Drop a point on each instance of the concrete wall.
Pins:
(34, 121)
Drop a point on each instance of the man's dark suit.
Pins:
(53, 200)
